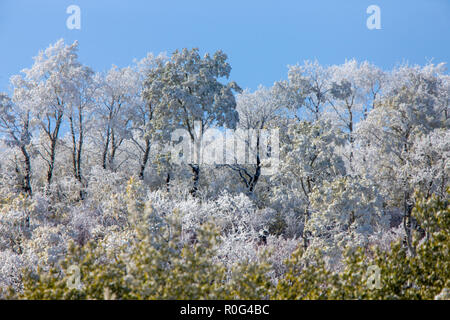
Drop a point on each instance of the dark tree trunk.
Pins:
(168, 182)
(255, 178)
(51, 164)
(407, 224)
(106, 147)
(195, 178)
(27, 177)
(77, 148)
(53, 141)
(145, 159)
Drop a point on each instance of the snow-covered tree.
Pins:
(190, 88)
(79, 113)
(52, 84)
(308, 158)
(16, 129)
(353, 92)
(117, 95)
(344, 214)
(413, 106)
(429, 162)
(310, 81)
(141, 110)
(258, 111)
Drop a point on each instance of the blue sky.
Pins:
(260, 37)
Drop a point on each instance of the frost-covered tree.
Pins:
(344, 214)
(429, 163)
(308, 158)
(142, 127)
(310, 81)
(52, 84)
(79, 114)
(16, 129)
(354, 90)
(116, 97)
(190, 87)
(413, 106)
(258, 110)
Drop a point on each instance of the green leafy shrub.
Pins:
(155, 263)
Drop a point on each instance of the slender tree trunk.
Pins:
(195, 178)
(77, 147)
(80, 145)
(27, 178)
(407, 223)
(115, 144)
(53, 142)
(145, 158)
(351, 139)
(255, 178)
(168, 182)
(74, 149)
(51, 164)
(106, 147)
(112, 155)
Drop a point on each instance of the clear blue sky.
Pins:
(260, 37)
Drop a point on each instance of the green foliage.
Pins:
(154, 264)
(278, 225)
(154, 269)
(159, 265)
(304, 279)
(402, 276)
